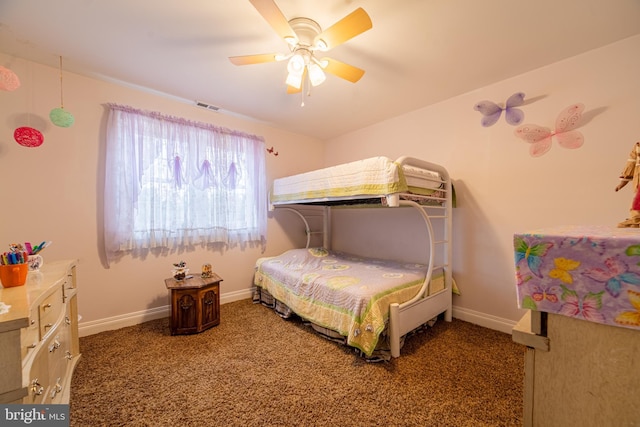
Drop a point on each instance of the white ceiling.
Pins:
(419, 52)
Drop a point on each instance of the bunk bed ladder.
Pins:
(407, 316)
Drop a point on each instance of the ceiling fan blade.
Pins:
(272, 14)
(342, 70)
(253, 59)
(355, 23)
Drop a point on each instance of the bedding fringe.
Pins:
(382, 353)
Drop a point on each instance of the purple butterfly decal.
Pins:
(491, 111)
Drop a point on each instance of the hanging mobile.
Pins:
(28, 136)
(59, 116)
(9, 81)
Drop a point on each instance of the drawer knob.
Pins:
(46, 306)
(56, 389)
(36, 388)
(53, 347)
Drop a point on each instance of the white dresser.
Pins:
(578, 373)
(579, 284)
(39, 345)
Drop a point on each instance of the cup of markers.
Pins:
(13, 269)
(14, 265)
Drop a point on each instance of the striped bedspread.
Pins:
(342, 292)
(375, 176)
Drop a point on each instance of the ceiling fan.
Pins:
(305, 39)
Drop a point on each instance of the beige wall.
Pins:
(54, 192)
(502, 189)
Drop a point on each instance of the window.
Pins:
(172, 183)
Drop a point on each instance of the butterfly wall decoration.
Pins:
(491, 111)
(565, 132)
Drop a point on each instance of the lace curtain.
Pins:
(173, 183)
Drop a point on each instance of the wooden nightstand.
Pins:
(195, 303)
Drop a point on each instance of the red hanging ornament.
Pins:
(28, 136)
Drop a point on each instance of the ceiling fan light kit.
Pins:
(301, 62)
(304, 37)
(316, 75)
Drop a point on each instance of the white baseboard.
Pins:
(130, 319)
(484, 320)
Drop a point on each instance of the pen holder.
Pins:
(35, 262)
(13, 274)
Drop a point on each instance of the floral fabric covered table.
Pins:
(586, 272)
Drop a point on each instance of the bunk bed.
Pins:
(369, 304)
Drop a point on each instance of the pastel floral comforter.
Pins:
(345, 293)
(586, 272)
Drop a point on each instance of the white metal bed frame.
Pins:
(425, 306)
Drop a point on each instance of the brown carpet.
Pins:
(256, 369)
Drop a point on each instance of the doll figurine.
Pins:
(631, 172)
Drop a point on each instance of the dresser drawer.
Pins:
(38, 378)
(30, 335)
(39, 345)
(50, 311)
(59, 361)
(72, 278)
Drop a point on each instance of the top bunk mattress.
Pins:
(373, 177)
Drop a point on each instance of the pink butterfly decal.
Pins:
(540, 137)
(491, 111)
(587, 307)
(615, 273)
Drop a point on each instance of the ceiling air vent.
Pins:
(207, 106)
